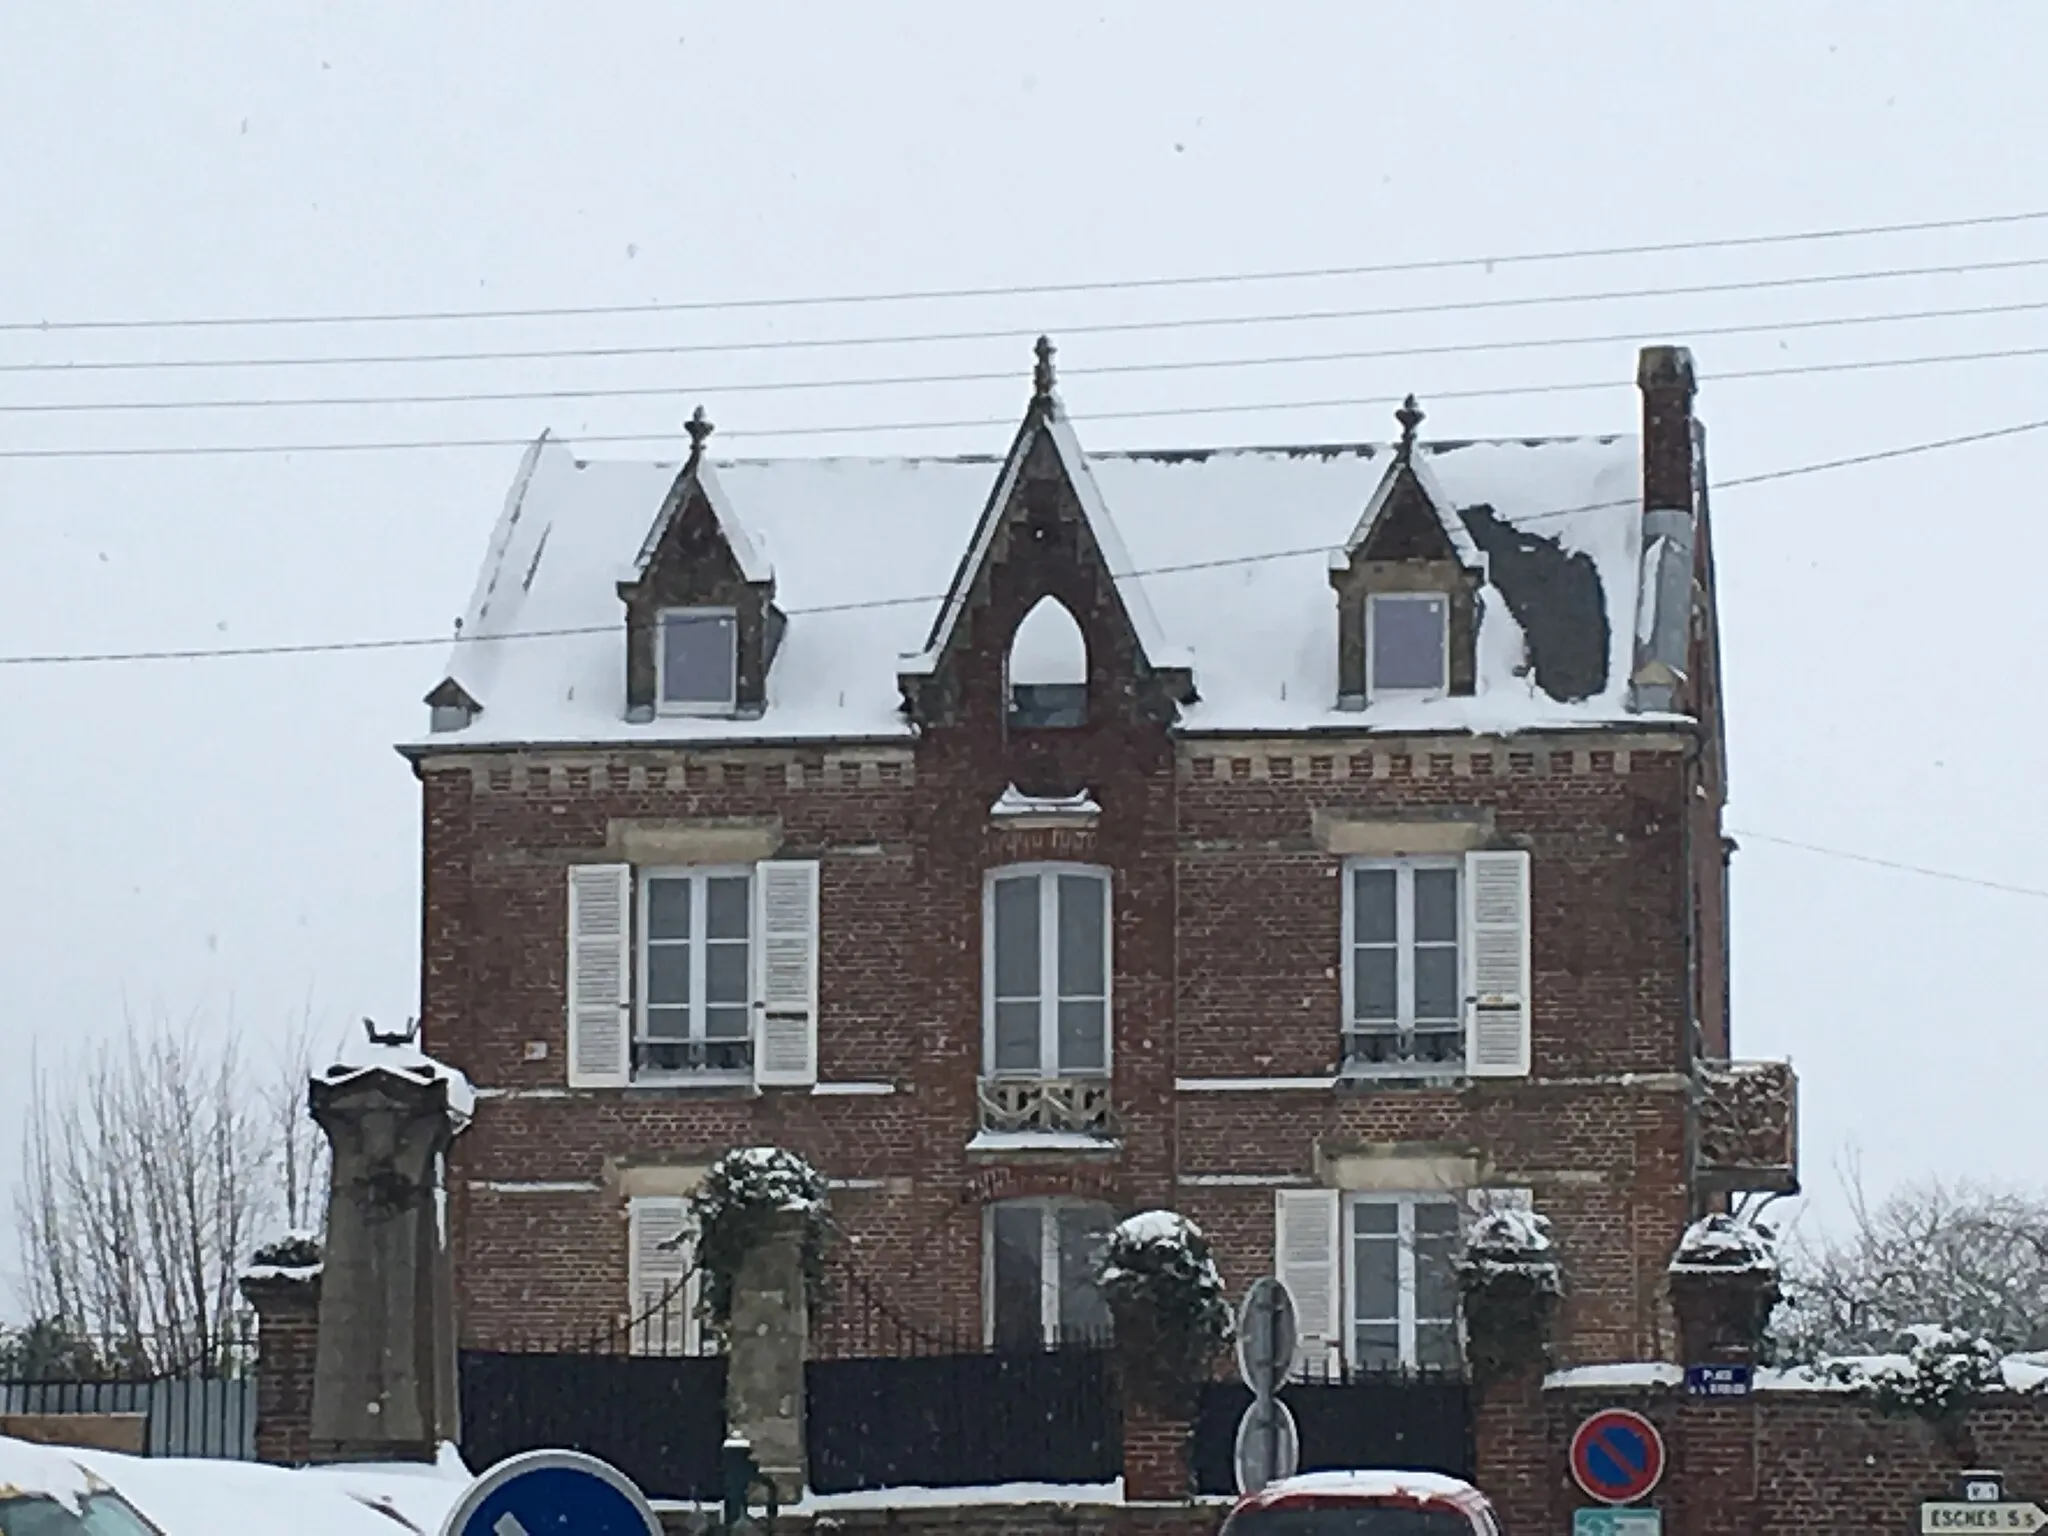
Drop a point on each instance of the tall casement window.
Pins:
(1436, 966)
(1406, 983)
(1374, 1275)
(693, 974)
(1039, 1263)
(696, 972)
(1403, 1288)
(1046, 972)
(696, 661)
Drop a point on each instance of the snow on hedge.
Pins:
(296, 1255)
(1160, 1261)
(1508, 1233)
(1724, 1245)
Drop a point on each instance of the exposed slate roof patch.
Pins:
(1556, 596)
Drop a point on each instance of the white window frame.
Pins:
(698, 875)
(1047, 875)
(1048, 1208)
(662, 703)
(1406, 1202)
(1442, 685)
(1404, 867)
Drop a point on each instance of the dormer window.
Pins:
(697, 661)
(1408, 644)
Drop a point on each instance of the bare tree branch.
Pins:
(150, 1170)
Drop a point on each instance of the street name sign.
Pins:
(1940, 1517)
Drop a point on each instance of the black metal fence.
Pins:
(628, 1394)
(660, 1419)
(1411, 1421)
(891, 1403)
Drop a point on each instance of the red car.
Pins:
(1364, 1504)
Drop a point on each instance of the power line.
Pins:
(1796, 370)
(417, 642)
(1881, 863)
(1098, 328)
(874, 381)
(1008, 290)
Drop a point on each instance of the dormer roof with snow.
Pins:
(1216, 564)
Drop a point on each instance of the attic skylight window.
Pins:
(1408, 643)
(697, 661)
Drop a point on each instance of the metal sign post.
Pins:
(1268, 1447)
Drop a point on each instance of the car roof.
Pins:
(1375, 1485)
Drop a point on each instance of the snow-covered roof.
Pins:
(1221, 558)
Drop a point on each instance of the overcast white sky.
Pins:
(236, 838)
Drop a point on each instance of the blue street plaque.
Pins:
(552, 1493)
(1719, 1380)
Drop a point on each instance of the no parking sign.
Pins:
(1617, 1456)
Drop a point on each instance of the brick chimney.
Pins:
(1665, 378)
(1663, 619)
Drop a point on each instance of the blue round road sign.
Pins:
(1617, 1456)
(552, 1493)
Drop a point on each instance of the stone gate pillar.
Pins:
(768, 1339)
(384, 1371)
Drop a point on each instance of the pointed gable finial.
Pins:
(699, 428)
(1042, 374)
(1410, 417)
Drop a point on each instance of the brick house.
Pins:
(1322, 841)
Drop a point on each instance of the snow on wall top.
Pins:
(544, 638)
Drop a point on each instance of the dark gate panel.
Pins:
(660, 1419)
(1410, 1423)
(950, 1421)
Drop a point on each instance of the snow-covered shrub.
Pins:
(1939, 1374)
(1168, 1305)
(749, 1195)
(1511, 1282)
(1726, 1245)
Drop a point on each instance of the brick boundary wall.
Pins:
(287, 1340)
(1776, 1463)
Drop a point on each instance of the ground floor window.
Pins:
(1403, 1254)
(1040, 1259)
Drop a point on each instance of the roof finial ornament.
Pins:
(1042, 374)
(1410, 417)
(699, 428)
(404, 1036)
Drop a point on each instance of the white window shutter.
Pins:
(1307, 1226)
(600, 961)
(1497, 968)
(661, 1290)
(786, 972)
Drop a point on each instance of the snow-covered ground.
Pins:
(192, 1497)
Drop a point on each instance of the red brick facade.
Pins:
(1226, 976)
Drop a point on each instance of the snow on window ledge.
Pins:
(1041, 1141)
(1013, 805)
